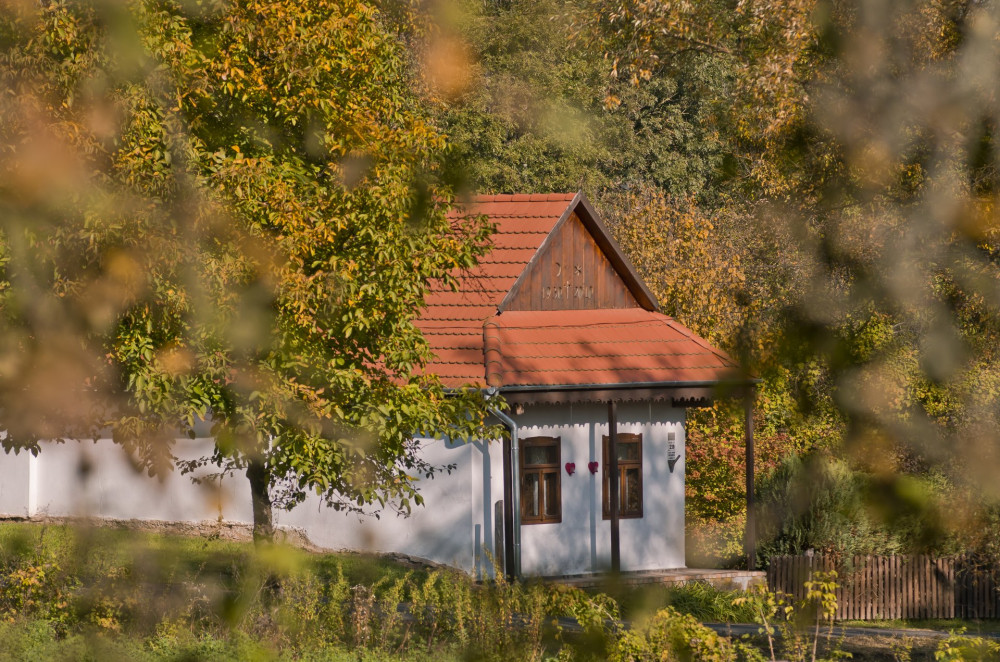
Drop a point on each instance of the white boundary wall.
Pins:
(96, 479)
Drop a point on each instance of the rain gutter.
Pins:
(629, 386)
(512, 515)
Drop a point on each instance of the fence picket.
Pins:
(993, 596)
(859, 572)
(958, 579)
(991, 592)
(883, 568)
(876, 576)
(931, 589)
(862, 589)
(938, 588)
(897, 586)
(924, 587)
(950, 613)
(890, 586)
(928, 600)
(905, 588)
(859, 575)
(867, 587)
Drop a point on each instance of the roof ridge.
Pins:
(523, 197)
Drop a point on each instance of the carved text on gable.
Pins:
(571, 273)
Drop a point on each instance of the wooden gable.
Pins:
(578, 267)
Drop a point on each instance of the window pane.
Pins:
(541, 455)
(552, 495)
(530, 497)
(629, 476)
(631, 490)
(628, 451)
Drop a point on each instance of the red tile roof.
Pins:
(611, 347)
(453, 321)
(557, 348)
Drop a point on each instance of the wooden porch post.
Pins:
(750, 535)
(616, 561)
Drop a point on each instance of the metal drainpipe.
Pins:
(516, 491)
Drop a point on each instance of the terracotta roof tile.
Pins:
(453, 321)
(560, 348)
(617, 346)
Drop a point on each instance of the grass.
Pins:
(38, 640)
(83, 592)
(91, 593)
(701, 600)
(182, 558)
(971, 626)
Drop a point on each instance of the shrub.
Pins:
(670, 635)
(961, 648)
(819, 502)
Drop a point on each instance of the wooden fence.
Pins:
(882, 587)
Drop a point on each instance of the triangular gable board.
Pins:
(571, 271)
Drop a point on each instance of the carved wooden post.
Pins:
(616, 561)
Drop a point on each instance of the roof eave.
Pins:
(526, 388)
(682, 394)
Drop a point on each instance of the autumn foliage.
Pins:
(244, 210)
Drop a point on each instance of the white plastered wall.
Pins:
(16, 484)
(97, 479)
(455, 527)
(441, 530)
(581, 542)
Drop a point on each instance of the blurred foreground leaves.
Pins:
(834, 224)
(225, 212)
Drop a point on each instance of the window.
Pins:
(540, 473)
(629, 476)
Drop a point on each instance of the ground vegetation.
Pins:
(85, 592)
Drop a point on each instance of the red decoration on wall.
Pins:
(593, 467)
(571, 468)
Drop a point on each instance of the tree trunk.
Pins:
(260, 492)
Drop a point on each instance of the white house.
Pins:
(557, 323)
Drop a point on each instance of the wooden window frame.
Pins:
(542, 470)
(635, 513)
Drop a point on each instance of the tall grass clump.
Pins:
(709, 604)
(63, 588)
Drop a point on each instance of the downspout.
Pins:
(493, 359)
(515, 453)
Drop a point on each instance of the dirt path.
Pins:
(739, 629)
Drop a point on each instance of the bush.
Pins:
(670, 635)
(961, 648)
(819, 502)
